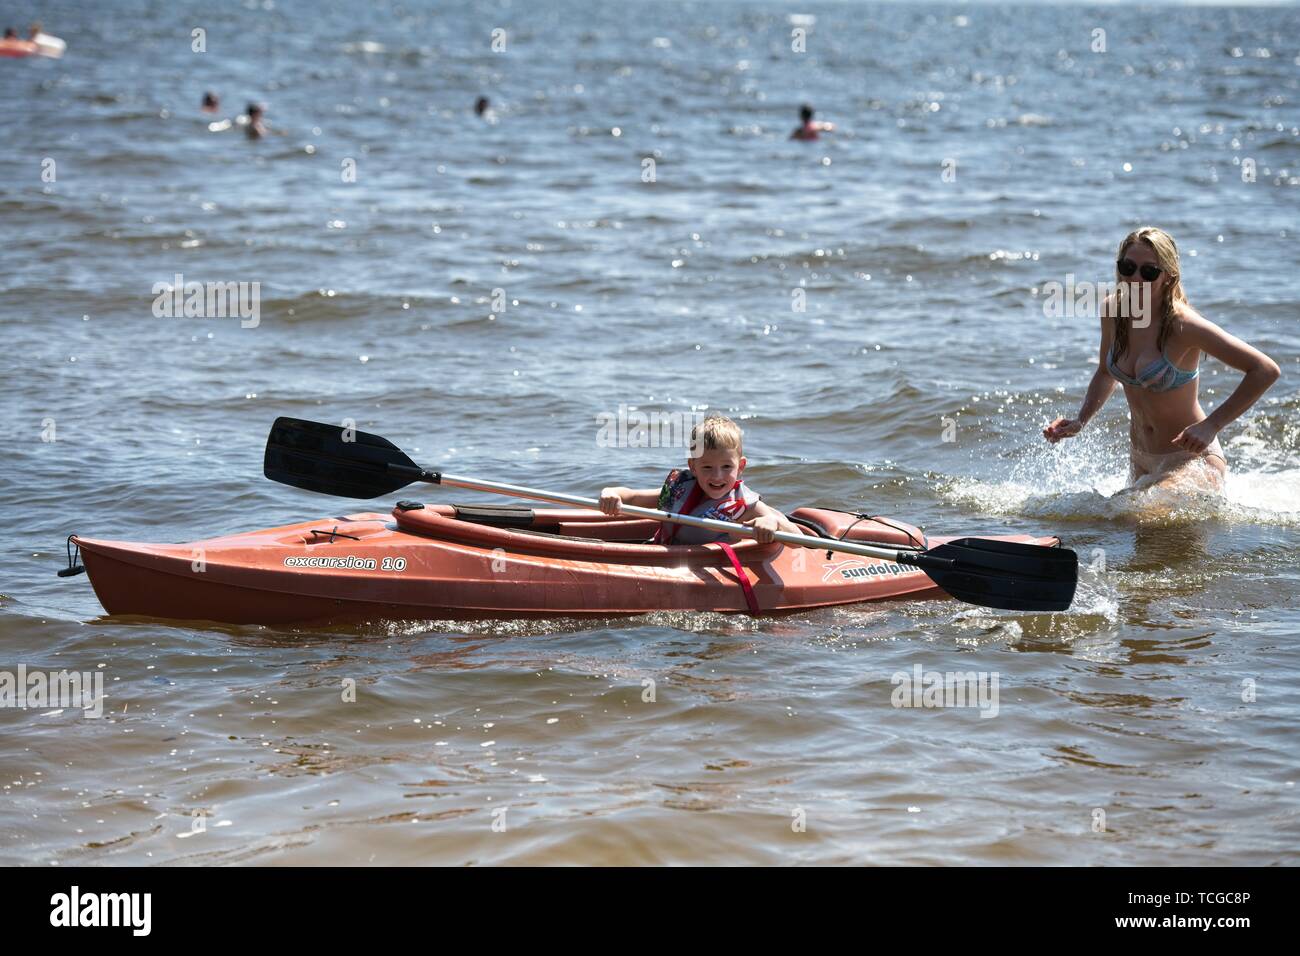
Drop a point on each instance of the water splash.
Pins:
(1086, 479)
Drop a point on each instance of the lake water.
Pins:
(981, 152)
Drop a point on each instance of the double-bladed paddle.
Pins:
(348, 463)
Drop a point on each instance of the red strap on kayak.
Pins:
(745, 586)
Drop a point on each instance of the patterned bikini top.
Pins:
(1161, 375)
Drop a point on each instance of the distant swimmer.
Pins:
(47, 45)
(483, 109)
(211, 103)
(14, 46)
(808, 127)
(255, 128)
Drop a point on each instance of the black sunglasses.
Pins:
(1127, 267)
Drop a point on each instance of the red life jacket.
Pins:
(738, 500)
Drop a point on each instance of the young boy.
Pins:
(710, 488)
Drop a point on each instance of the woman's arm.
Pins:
(1260, 374)
(1099, 391)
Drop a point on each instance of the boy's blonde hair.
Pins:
(716, 433)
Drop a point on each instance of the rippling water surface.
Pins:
(1152, 723)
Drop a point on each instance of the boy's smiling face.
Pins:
(717, 470)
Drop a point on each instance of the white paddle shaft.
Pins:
(709, 524)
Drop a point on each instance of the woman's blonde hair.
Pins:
(1166, 250)
(716, 433)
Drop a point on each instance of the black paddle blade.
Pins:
(1006, 574)
(334, 460)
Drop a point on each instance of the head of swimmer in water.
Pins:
(11, 33)
(1149, 256)
(805, 114)
(481, 105)
(35, 30)
(717, 455)
(255, 111)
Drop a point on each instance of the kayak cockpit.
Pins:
(586, 533)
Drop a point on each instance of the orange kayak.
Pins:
(448, 561)
(14, 47)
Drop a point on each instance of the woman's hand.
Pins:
(765, 526)
(1196, 438)
(1062, 428)
(611, 501)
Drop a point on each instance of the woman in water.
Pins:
(1156, 357)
